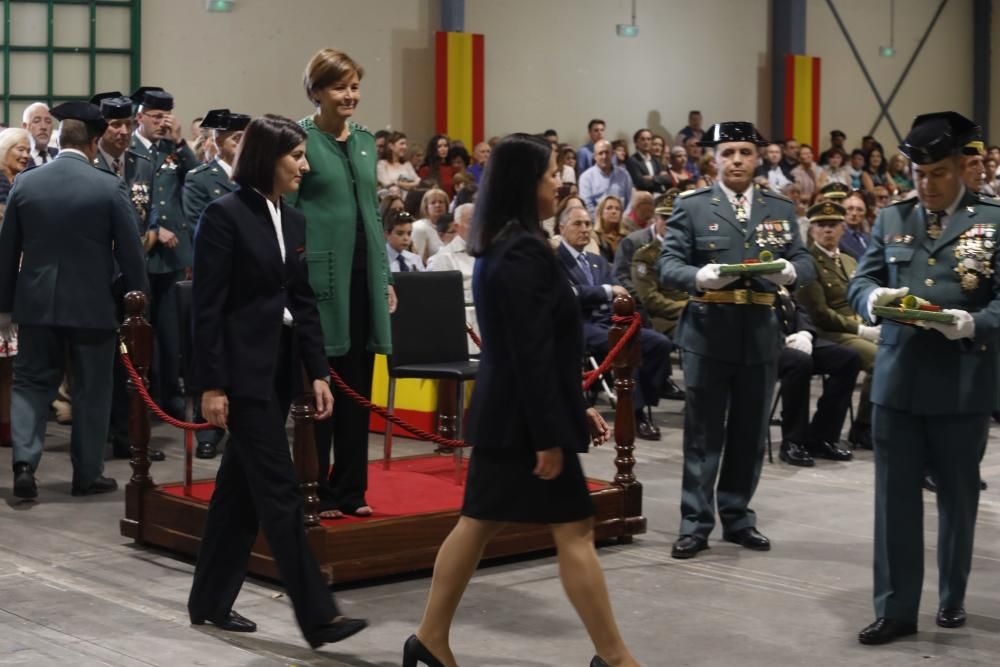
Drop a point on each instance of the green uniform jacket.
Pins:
(703, 230)
(920, 371)
(331, 212)
(171, 163)
(203, 184)
(138, 179)
(663, 305)
(825, 299)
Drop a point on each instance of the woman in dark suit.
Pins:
(527, 419)
(255, 324)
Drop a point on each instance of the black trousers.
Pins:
(164, 385)
(795, 370)
(347, 429)
(257, 488)
(655, 366)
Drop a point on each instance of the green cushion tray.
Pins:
(896, 313)
(751, 269)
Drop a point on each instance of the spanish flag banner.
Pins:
(459, 99)
(802, 99)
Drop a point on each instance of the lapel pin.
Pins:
(714, 227)
(970, 209)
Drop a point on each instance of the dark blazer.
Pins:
(72, 223)
(53, 152)
(595, 306)
(528, 390)
(853, 247)
(636, 167)
(239, 292)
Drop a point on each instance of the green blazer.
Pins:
(203, 184)
(919, 371)
(171, 163)
(331, 209)
(825, 299)
(703, 230)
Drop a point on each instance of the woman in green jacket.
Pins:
(348, 268)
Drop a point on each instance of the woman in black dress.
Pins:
(527, 419)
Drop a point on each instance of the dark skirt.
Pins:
(502, 487)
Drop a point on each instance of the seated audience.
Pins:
(436, 168)
(398, 227)
(641, 213)
(899, 172)
(790, 154)
(619, 152)
(836, 168)
(585, 154)
(604, 179)
(566, 161)
(445, 227)
(465, 189)
(480, 154)
(458, 160)
(772, 170)
(390, 202)
(392, 168)
(677, 170)
(552, 137)
(692, 130)
(825, 300)
(658, 148)
(856, 168)
(642, 167)
(694, 151)
(837, 139)
(433, 205)
(454, 256)
(608, 226)
(876, 173)
(706, 167)
(808, 175)
(661, 304)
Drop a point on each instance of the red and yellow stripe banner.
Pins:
(802, 99)
(459, 98)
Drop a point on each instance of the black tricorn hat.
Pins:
(153, 97)
(82, 111)
(113, 105)
(935, 136)
(224, 120)
(730, 130)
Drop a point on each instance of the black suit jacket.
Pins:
(53, 152)
(636, 167)
(528, 389)
(240, 290)
(593, 299)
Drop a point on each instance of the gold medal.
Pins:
(934, 231)
(970, 282)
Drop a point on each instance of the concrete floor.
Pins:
(72, 591)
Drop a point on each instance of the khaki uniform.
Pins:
(663, 305)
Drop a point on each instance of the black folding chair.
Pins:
(429, 341)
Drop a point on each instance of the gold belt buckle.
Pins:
(741, 296)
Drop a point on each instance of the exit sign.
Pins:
(628, 30)
(219, 5)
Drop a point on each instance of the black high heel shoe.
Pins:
(597, 662)
(414, 652)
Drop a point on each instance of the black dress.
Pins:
(528, 394)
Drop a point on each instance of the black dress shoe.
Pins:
(929, 484)
(156, 455)
(232, 622)
(687, 546)
(830, 450)
(597, 662)
(336, 631)
(100, 485)
(982, 485)
(206, 450)
(644, 429)
(749, 538)
(860, 437)
(24, 481)
(884, 630)
(671, 391)
(795, 454)
(415, 652)
(951, 618)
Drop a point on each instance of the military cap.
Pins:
(84, 112)
(153, 97)
(974, 147)
(837, 133)
(835, 191)
(664, 204)
(935, 136)
(727, 131)
(113, 105)
(225, 121)
(826, 211)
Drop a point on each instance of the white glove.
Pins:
(801, 341)
(708, 278)
(883, 296)
(870, 333)
(963, 326)
(787, 275)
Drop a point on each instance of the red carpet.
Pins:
(411, 486)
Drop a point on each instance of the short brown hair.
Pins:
(326, 68)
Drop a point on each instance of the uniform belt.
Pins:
(741, 297)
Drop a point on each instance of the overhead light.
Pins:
(219, 5)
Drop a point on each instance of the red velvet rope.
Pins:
(589, 378)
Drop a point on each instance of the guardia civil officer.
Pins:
(934, 384)
(116, 157)
(729, 333)
(202, 185)
(70, 228)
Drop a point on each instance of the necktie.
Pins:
(860, 239)
(402, 264)
(44, 155)
(935, 224)
(585, 267)
(116, 164)
(740, 208)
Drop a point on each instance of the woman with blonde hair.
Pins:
(433, 205)
(15, 154)
(609, 226)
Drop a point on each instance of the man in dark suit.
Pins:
(643, 167)
(158, 137)
(730, 337)
(73, 224)
(202, 185)
(115, 157)
(855, 240)
(595, 287)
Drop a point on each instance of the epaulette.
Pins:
(647, 248)
(688, 193)
(909, 201)
(777, 195)
(197, 170)
(988, 201)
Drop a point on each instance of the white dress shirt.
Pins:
(732, 196)
(412, 260)
(275, 211)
